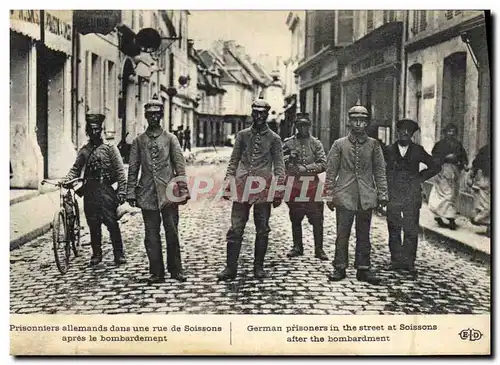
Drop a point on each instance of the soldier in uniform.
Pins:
(102, 167)
(257, 152)
(355, 185)
(305, 156)
(157, 154)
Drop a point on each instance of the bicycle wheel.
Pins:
(75, 238)
(61, 244)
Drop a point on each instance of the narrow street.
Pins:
(448, 282)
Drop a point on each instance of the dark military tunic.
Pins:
(311, 154)
(103, 167)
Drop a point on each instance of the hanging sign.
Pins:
(96, 21)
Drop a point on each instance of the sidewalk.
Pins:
(466, 234)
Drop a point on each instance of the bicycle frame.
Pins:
(66, 196)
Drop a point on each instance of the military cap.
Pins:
(409, 124)
(302, 118)
(261, 105)
(153, 105)
(358, 111)
(96, 119)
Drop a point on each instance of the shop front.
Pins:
(26, 160)
(54, 84)
(371, 75)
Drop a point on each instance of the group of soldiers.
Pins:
(361, 176)
(357, 176)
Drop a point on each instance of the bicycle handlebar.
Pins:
(62, 183)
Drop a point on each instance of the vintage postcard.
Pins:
(264, 182)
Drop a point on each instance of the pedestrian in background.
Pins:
(187, 139)
(257, 153)
(404, 181)
(452, 158)
(480, 182)
(305, 157)
(355, 185)
(157, 155)
(180, 135)
(102, 166)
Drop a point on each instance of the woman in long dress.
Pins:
(452, 157)
(480, 181)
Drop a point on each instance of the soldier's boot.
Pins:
(118, 253)
(261, 242)
(95, 241)
(318, 242)
(96, 257)
(231, 270)
(298, 248)
(337, 275)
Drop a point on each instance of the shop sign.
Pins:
(59, 30)
(26, 22)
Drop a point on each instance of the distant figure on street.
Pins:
(404, 181)
(305, 157)
(187, 139)
(257, 153)
(444, 194)
(355, 185)
(102, 166)
(480, 182)
(157, 155)
(180, 135)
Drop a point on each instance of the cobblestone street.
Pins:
(448, 282)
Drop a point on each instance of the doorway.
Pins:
(453, 99)
(50, 103)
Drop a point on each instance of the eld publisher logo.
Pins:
(470, 334)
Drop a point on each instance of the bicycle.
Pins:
(67, 218)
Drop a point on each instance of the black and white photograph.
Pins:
(292, 163)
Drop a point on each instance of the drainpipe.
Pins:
(405, 63)
(75, 84)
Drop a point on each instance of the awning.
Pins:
(59, 30)
(26, 22)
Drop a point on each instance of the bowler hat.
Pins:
(409, 124)
(96, 119)
(303, 118)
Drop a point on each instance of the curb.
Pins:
(475, 253)
(37, 232)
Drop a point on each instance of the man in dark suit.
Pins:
(404, 180)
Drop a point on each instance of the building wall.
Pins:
(25, 156)
(99, 84)
(432, 61)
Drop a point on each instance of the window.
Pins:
(141, 20)
(96, 85)
(155, 24)
(419, 23)
(389, 16)
(369, 20)
(345, 26)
